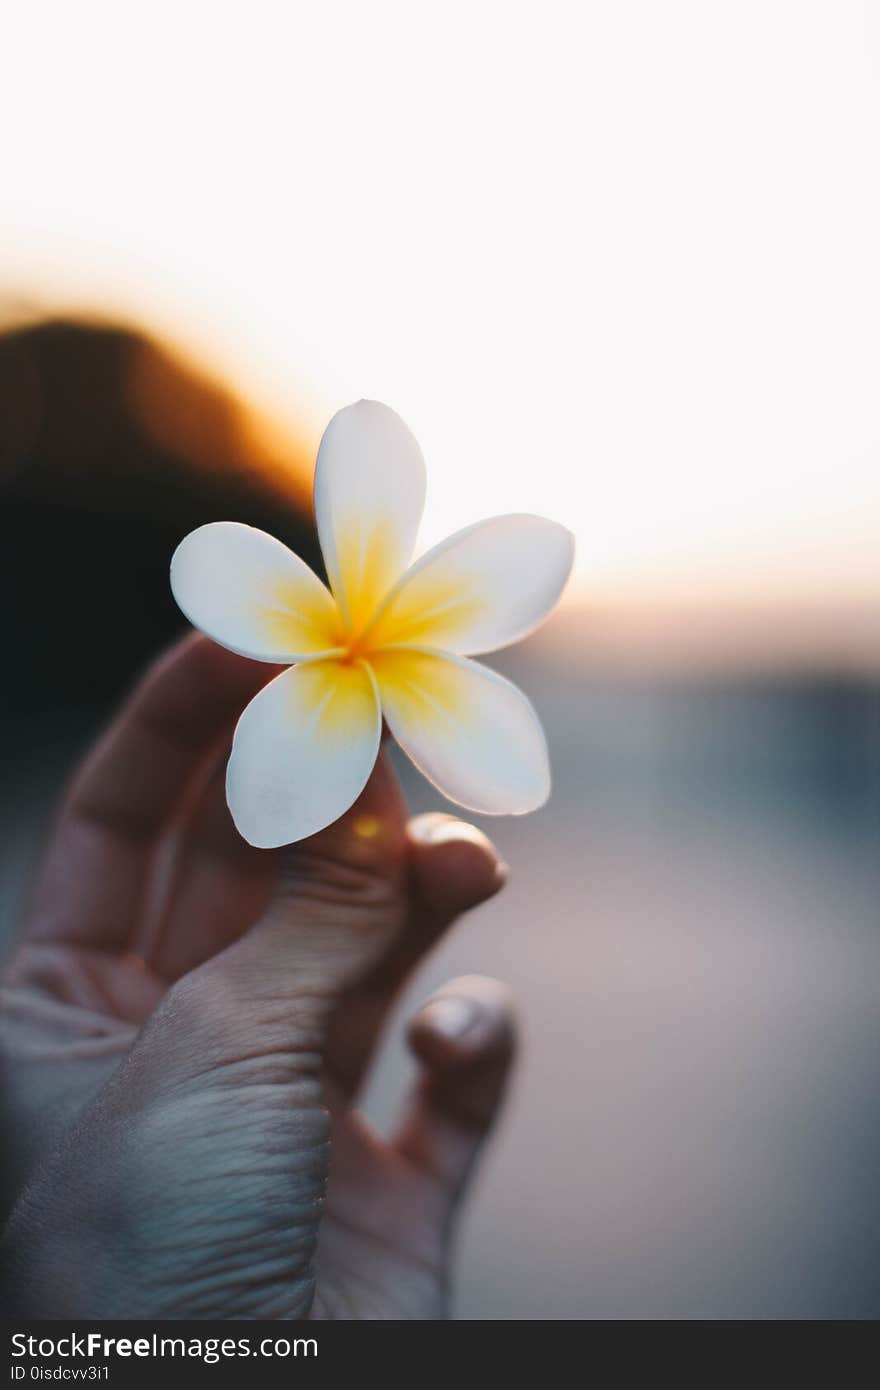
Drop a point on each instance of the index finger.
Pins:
(95, 883)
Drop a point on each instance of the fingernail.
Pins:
(438, 829)
(452, 1017)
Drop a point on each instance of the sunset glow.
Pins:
(617, 267)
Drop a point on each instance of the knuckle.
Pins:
(327, 889)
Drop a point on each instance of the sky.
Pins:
(615, 263)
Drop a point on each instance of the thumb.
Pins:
(340, 900)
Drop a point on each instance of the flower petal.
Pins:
(481, 589)
(471, 732)
(303, 751)
(250, 593)
(369, 496)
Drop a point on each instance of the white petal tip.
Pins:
(265, 833)
(302, 752)
(246, 591)
(525, 806)
(259, 841)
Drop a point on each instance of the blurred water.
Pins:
(692, 927)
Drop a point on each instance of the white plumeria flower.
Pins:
(384, 640)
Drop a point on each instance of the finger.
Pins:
(94, 885)
(464, 1038)
(221, 887)
(453, 868)
(339, 900)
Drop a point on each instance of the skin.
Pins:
(187, 1022)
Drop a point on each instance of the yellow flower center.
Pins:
(352, 628)
(360, 643)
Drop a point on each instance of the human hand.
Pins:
(187, 1022)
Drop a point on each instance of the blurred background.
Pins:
(615, 263)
